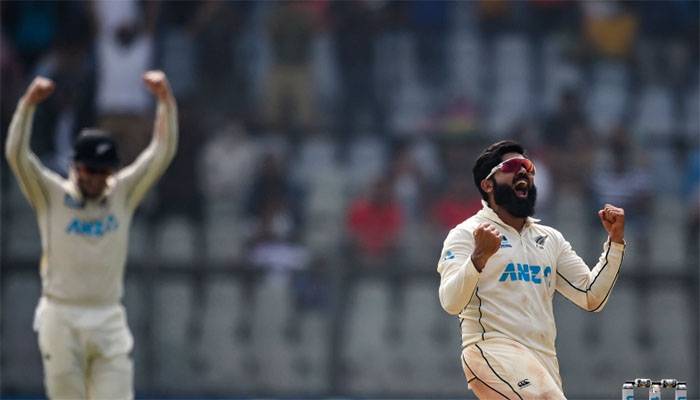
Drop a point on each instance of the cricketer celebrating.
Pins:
(499, 270)
(84, 221)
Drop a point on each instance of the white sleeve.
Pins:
(140, 175)
(458, 276)
(34, 178)
(588, 289)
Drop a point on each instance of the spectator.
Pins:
(429, 22)
(227, 165)
(410, 182)
(494, 16)
(609, 29)
(567, 143)
(125, 47)
(175, 44)
(70, 64)
(624, 183)
(374, 225)
(275, 198)
(275, 245)
(218, 28)
(275, 248)
(292, 29)
(663, 55)
(355, 28)
(456, 203)
(568, 116)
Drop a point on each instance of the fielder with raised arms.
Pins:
(499, 270)
(84, 221)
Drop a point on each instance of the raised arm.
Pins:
(153, 161)
(33, 177)
(463, 257)
(590, 289)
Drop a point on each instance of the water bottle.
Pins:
(628, 391)
(655, 391)
(681, 391)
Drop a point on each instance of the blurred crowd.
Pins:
(318, 133)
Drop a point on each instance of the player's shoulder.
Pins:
(55, 183)
(469, 224)
(465, 229)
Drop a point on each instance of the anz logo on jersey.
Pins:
(526, 273)
(93, 228)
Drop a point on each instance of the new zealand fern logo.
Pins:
(539, 241)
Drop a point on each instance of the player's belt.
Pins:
(78, 303)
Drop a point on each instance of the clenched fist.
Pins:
(39, 90)
(157, 83)
(487, 241)
(613, 220)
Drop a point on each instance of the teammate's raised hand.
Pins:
(613, 220)
(157, 83)
(487, 241)
(39, 90)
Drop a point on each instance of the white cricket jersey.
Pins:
(84, 242)
(512, 296)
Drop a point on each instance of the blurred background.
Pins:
(326, 150)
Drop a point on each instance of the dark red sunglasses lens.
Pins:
(514, 164)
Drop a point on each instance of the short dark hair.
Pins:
(492, 156)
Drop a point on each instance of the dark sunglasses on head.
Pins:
(513, 165)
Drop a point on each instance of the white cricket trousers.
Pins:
(501, 368)
(85, 350)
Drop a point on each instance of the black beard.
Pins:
(504, 196)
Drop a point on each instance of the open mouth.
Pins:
(521, 188)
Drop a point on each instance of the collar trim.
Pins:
(487, 212)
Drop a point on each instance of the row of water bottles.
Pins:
(655, 388)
